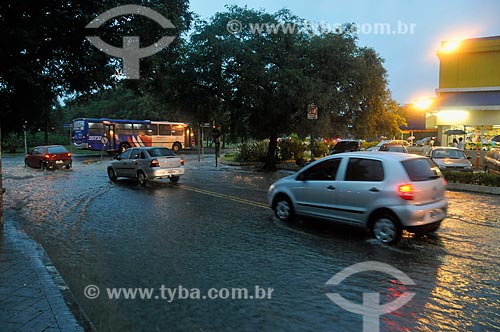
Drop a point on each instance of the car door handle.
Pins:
(330, 188)
(374, 190)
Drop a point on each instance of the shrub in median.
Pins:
(481, 179)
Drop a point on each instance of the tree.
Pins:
(45, 53)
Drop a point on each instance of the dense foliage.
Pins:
(255, 84)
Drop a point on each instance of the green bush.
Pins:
(481, 179)
(256, 151)
(320, 149)
(291, 148)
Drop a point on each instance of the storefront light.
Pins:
(455, 117)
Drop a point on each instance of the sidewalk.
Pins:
(30, 299)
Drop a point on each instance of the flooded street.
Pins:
(214, 231)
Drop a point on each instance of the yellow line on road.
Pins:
(228, 197)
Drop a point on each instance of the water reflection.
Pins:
(124, 235)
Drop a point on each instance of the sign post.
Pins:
(312, 114)
(216, 139)
(104, 141)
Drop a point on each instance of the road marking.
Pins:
(228, 197)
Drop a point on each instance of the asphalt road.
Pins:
(213, 233)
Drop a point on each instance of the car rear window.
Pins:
(57, 149)
(421, 169)
(161, 152)
(346, 146)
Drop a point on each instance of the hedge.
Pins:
(482, 179)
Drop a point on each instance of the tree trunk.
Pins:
(270, 164)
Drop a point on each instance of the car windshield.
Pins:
(57, 149)
(421, 169)
(161, 152)
(451, 154)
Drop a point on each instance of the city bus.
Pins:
(116, 135)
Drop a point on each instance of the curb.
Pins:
(68, 296)
(473, 188)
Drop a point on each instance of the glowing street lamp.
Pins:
(423, 103)
(450, 46)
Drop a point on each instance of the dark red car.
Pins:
(49, 157)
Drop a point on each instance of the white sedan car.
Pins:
(146, 163)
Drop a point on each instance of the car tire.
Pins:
(112, 174)
(283, 209)
(42, 166)
(25, 163)
(141, 178)
(174, 179)
(176, 147)
(386, 229)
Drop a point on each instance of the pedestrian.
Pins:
(455, 143)
(431, 142)
(460, 144)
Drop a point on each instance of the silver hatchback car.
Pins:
(146, 163)
(384, 193)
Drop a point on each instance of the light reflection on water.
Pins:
(122, 235)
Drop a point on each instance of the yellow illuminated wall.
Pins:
(472, 63)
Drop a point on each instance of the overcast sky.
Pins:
(410, 58)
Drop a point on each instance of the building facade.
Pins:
(468, 97)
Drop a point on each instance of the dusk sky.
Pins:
(410, 59)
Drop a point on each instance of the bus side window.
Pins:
(165, 130)
(152, 130)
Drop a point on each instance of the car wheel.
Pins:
(25, 163)
(283, 209)
(141, 178)
(386, 229)
(174, 179)
(42, 166)
(176, 147)
(111, 174)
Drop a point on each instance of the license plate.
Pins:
(59, 162)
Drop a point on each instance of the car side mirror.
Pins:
(470, 158)
(117, 157)
(301, 177)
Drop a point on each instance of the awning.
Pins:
(479, 100)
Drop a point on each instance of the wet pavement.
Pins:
(214, 231)
(30, 299)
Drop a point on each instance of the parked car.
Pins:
(423, 141)
(383, 192)
(146, 163)
(388, 142)
(394, 148)
(346, 146)
(450, 159)
(492, 161)
(49, 157)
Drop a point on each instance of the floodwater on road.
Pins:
(214, 231)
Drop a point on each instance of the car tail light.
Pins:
(182, 162)
(406, 192)
(445, 182)
(47, 156)
(69, 154)
(155, 163)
